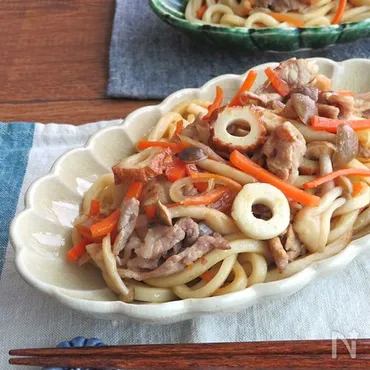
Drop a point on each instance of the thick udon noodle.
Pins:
(231, 13)
(246, 262)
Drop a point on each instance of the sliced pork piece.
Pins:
(264, 100)
(159, 240)
(178, 262)
(297, 72)
(277, 106)
(304, 106)
(203, 245)
(142, 226)
(259, 158)
(311, 92)
(362, 105)
(278, 252)
(198, 130)
(191, 229)
(225, 203)
(289, 111)
(155, 190)
(302, 103)
(204, 229)
(171, 266)
(284, 150)
(282, 6)
(139, 263)
(126, 223)
(133, 243)
(328, 111)
(301, 106)
(345, 104)
(175, 250)
(292, 244)
(363, 151)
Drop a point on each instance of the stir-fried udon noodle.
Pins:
(220, 196)
(277, 13)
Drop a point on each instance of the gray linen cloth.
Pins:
(150, 60)
(331, 307)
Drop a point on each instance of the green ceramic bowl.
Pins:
(267, 39)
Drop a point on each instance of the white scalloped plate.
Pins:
(41, 233)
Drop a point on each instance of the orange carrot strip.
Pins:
(201, 11)
(246, 86)
(207, 198)
(135, 190)
(94, 208)
(331, 125)
(85, 232)
(176, 171)
(357, 187)
(280, 17)
(161, 144)
(104, 227)
(330, 176)
(345, 93)
(207, 276)
(216, 103)
(171, 205)
(150, 212)
(205, 177)
(225, 203)
(76, 252)
(192, 169)
(179, 127)
(340, 11)
(262, 175)
(279, 85)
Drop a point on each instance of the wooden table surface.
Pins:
(54, 57)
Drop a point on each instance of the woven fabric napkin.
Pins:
(150, 60)
(332, 306)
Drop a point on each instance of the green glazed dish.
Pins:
(267, 39)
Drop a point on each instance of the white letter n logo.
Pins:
(351, 348)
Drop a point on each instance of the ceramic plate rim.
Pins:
(189, 308)
(157, 7)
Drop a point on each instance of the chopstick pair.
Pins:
(267, 355)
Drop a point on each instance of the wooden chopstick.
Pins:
(247, 362)
(279, 354)
(214, 349)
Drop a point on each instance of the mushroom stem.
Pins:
(323, 151)
(326, 167)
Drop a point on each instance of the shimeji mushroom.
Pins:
(192, 155)
(323, 151)
(308, 167)
(216, 220)
(347, 146)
